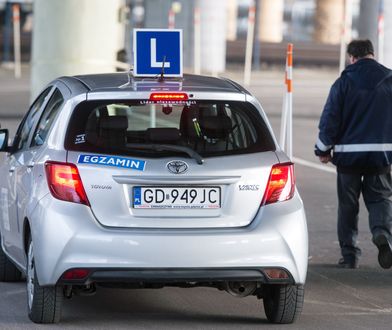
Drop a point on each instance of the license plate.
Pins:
(176, 197)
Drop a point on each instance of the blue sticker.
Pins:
(137, 196)
(122, 162)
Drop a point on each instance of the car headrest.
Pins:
(114, 123)
(216, 126)
(163, 134)
(186, 122)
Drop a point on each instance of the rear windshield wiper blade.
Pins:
(167, 147)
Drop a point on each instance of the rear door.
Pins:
(139, 170)
(18, 163)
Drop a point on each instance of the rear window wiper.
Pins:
(167, 147)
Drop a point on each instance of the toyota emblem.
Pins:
(177, 166)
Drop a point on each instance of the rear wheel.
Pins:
(283, 303)
(8, 271)
(44, 303)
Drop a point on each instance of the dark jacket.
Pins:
(356, 123)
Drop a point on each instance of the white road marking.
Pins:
(316, 166)
(356, 309)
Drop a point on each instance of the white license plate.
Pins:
(176, 197)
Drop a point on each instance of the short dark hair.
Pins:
(360, 48)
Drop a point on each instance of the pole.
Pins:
(153, 115)
(17, 51)
(346, 33)
(197, 40)
(290, 100)
(286, 135)
(257, 46)
(57, 52)
(249, 43)
(172, 18)
(283, 122)
(380, 32)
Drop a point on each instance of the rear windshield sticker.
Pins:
(122, 162)
(81, 138)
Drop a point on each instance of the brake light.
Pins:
(64, 182)
(168, 97)
(281, 184)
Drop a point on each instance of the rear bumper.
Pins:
(159, 275)
(67, 236)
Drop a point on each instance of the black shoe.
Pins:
(384, 250)
(352, 264)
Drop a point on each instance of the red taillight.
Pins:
(65, 183)
(75, 274)
(168, 97)
(281, 184)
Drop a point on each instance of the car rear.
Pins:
(183, 187)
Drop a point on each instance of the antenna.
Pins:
(161, 77)
(129, 75)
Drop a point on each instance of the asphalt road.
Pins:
(334, 298)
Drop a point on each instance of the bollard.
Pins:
(172, 19)
(17, 51)
(249, 43)
(286, 128)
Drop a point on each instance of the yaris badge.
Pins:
(177, 166)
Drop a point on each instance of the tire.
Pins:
(8, 271)
(43, 303)
(283, 303)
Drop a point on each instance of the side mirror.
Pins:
(4, 140)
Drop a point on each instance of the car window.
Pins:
(209, 128)
(28, 121)
(47, 118)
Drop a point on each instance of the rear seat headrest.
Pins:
(216, 126)
(114, 123)
(164, 134)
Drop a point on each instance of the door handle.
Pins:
(12, 170)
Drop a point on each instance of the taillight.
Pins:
(64, 182)
(281, 184)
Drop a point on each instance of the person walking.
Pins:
(355, 133)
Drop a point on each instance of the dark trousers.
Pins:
(376, 191)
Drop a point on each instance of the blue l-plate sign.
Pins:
(156, 51)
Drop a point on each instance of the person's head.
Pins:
(358, 49)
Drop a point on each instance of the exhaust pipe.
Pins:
(240, 289)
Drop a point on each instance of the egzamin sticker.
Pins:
(122, 162)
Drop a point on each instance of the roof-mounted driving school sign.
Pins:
(157, 51)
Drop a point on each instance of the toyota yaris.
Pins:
(118, 181)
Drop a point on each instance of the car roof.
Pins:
(123, 81)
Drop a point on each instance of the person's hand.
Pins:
(325, 159)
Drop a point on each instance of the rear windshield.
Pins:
(158, 130)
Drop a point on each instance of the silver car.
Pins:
(113, 180)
